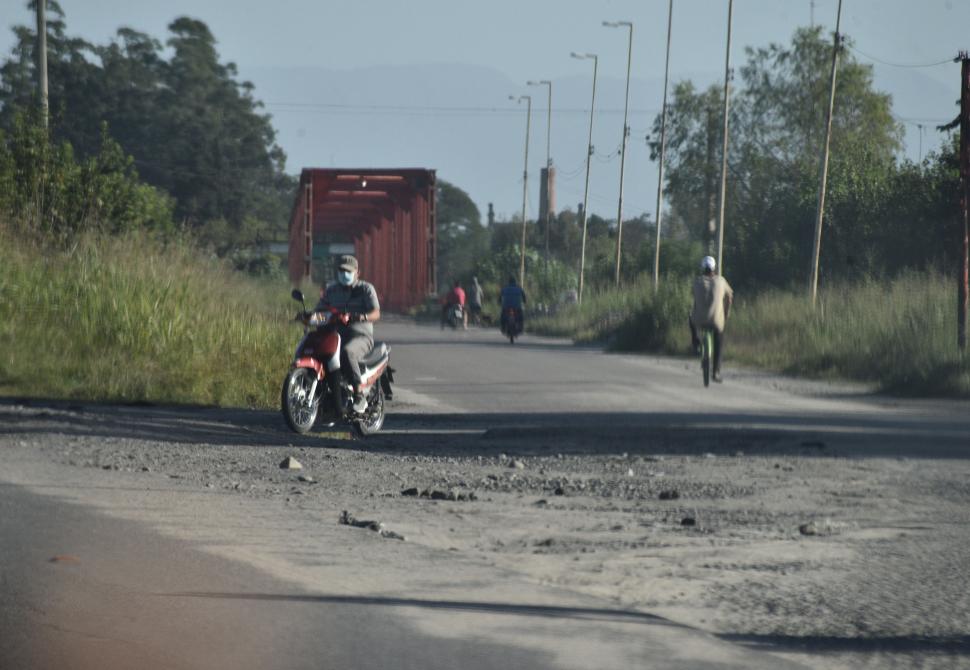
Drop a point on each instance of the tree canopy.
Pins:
(193, 129)
(777, 126)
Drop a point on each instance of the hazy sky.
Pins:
(529, 39)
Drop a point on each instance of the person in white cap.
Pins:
(357, 298)
(713, 297)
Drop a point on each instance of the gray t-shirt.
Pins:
(475, 294)
(358, 298)
(711, 295)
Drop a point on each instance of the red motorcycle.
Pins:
(315, 387)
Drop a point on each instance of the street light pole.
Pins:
(589, 157)
(626, 132)
(42, 58)
(724, 146)
(545, 82)
(663, 150)
(525, 180)
(824, 161)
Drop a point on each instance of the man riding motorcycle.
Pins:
(456, 296)
(358, 299)
(512, 298)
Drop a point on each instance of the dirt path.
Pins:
(879, 581)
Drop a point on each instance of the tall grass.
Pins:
(133, 319)
(899, 334)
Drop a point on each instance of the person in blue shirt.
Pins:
(512, 297)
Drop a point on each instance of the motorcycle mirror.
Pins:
(297, 295)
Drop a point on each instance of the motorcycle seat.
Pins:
(376, 354)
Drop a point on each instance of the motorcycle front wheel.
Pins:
(299, 410)
(374, 415)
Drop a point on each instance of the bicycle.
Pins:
(707, 353)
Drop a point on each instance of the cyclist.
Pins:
(713, 297)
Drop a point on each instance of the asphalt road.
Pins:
(150, 601)
(475, 380)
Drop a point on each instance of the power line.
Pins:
(431, 109)
(918, 120)
(892, 64)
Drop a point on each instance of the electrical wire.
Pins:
(421, 110)
(903, 65)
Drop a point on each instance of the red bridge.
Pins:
(384, 217)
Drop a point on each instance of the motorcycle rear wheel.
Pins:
(300, 414)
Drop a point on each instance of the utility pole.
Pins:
(626, 133)
(824, 167)
(724, 146)
(42, 58)
(589, 158)
(525, 180)
(663, 150)
(548, 211)
(964, 57)
(710, 188)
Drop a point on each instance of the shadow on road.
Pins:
(548, 611)
(956, 645)
(471, 434)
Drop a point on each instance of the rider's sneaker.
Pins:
(717, 377)
(360, 403)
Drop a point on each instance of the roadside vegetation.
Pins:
(887, 307)
(128, 256)
(898, 334)
(132, 267)
(134, 318)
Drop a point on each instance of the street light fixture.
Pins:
(525, 178)
(546, 82)
(626, 132)
(589, 156)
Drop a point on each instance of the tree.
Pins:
(777, 121)
(462, 240)
(193, 129)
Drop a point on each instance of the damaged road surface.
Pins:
(529, 506)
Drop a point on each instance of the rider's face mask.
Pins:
(345, 277)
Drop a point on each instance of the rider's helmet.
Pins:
(708, 264)
(511, 280)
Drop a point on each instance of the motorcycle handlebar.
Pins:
(307, 318)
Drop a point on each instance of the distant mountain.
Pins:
(458, 120)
